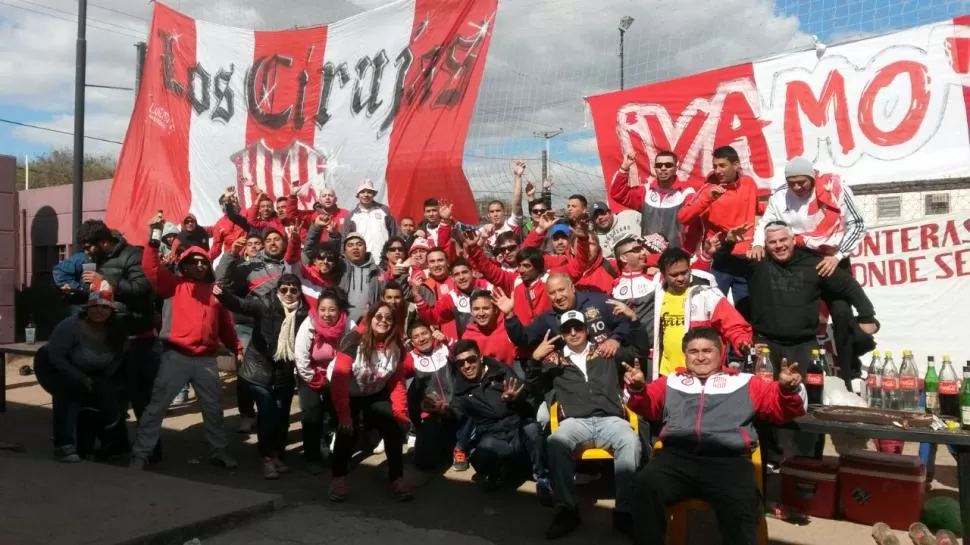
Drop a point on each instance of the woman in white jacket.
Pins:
(317, 343)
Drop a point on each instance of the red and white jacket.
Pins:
(453, 311)
(715, 416)
(351, 376)
(704, 305)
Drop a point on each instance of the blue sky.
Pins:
(831, 20)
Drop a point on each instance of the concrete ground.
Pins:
(449, 508)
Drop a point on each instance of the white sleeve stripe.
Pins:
(855, 227)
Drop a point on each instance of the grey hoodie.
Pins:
(361, 283)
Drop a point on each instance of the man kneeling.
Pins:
(707, 437)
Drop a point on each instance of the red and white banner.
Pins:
(386, 95)
(917, 275)
(883, 109)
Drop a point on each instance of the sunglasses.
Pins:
(506, 249)
(288, 290)
(470, 360)
(663, 165)
(572, 328)
(328, 257)
(198, 263)
(634, 250)
(396, 249)
(380, 317)
(536, 211)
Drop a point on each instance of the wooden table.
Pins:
(16, 349)
(959, 440)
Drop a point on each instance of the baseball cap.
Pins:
(598, 208)
(572, 316)
(353, 235)
(559, 229)
(103, 297)
(419, 243)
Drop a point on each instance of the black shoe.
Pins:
(623, 523)
(565, 521)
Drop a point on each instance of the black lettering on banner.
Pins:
(168, 63)
(199, 83)
(422, 85)
(402, 63)
(265, 71)
(375, 66)
(461, 72)
(300, 98)
(330, 72)
(225, 97)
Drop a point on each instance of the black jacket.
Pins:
(785, 297)
(133, 293)
(601, 323)
(259, 366)
(482, 402)
(427, 380)
(577, 396)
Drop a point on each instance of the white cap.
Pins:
(572, 316)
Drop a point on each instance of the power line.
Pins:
(119, 12)
(112, 87)
(48, 129)
(45, 6)
(93, 25)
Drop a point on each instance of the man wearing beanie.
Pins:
(825, 218)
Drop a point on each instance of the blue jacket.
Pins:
(69, 272)
(601, 323)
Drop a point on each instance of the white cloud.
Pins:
(545, 56)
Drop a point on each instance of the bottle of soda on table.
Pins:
(889, 383)
(815, 379)
(949, 391)
(908, 383)
(763, 367)
(931, 386)
(873, 393)
(965, 398)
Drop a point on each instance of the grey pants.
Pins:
(609, 432)
(175, 370)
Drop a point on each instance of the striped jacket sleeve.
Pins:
(855, 226)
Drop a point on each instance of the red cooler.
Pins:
(810, 486)
(881, 487)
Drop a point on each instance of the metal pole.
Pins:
(621, 58)
(141, 49)
(80, 62)
(545, 161)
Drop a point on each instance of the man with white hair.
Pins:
(326, 204)
(372, 220)
(824, 218)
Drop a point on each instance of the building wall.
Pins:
(891, 208)
(8, 246)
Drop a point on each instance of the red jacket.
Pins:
(736, 207)
(252, 218)
(224, 233)
(594, 278)
(305, 218)
(194, 322)
(450, 309)
(721, 413)
(346, 369)
(494, 343)
(650, 198)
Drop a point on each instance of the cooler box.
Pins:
(881, 487)
(810, 486)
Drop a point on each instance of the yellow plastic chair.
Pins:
(677, 514)
(590, 453)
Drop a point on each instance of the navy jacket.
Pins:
(601, 323)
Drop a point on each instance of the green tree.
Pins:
(57, 168)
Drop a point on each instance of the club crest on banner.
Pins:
(260, 168)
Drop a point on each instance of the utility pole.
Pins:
(624, 26)
(548, 135)
(141, 49)
(80, 69)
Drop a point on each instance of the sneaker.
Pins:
(338, 489)
(67, 455)
(246, 424)
(314, 468)
(137, 463)
(547, 498)
(565, 521)
(379, 449)
(459, 461)
(181, 399)
(269, 470)
(412, 440)
(280, 465)
(222, 460)
(623, 523)
(401, 490)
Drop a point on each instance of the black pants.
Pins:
(800, 351)
(375, 411)
(244, 399)
(523, 448)
(273, 416)
(141, 363)
(672, 476)
(102, 404)
(315, 406)
(436, 437)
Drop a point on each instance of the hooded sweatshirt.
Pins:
(169, 229)
(194, 322)
(361, 283)
(316, 347)
(492, 342)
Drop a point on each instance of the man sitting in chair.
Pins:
(586, 388)
(708, 437)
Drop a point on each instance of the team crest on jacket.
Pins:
(592, 313)
(623, 290)
(719, 382)
(687, 380)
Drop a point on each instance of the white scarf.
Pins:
(286, 342)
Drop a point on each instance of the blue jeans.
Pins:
(494, 451)
(607, 432)
(272, 417)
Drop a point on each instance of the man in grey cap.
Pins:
(824, 217)
(612, 228)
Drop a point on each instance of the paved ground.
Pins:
(449, 508)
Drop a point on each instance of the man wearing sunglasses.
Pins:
(612, 228)
(658, 199)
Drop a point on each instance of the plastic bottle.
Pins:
(763, 368)
(965, 398)
(889, 383)
(873, 392)
(949, 391)
(931, 386)
(750, 360)
(908, 383)
(815, 379)
(30, 332)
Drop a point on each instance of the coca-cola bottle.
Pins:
(890, 383)
(949, 391)
(763, 368)
(873, 393)
(815, 379)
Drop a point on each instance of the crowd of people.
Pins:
(505, 348)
